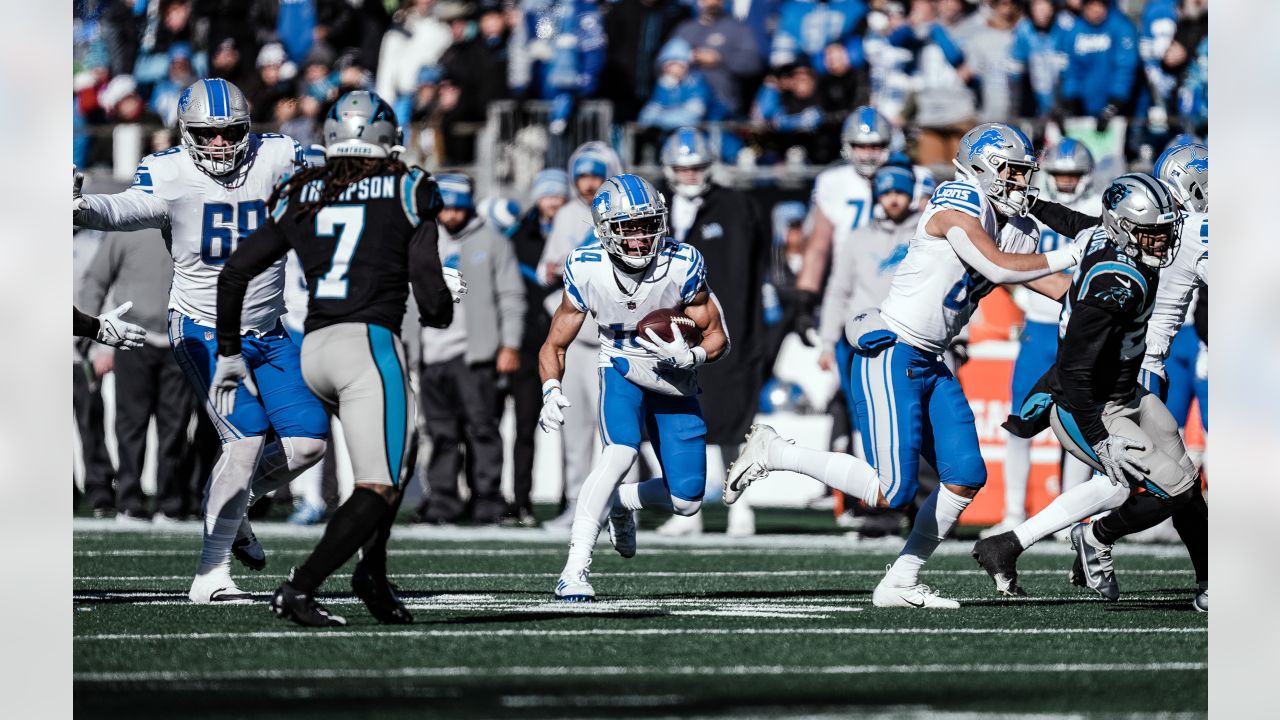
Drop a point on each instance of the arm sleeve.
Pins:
(426, 276)
(1062, 219)
(132, 209)
(1088, 332)
(996, 273)
(83, 324)
(255, 254)
(98, 278)
(511, 299)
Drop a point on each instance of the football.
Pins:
(660, 322)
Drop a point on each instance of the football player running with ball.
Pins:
(633, 269)
(205, 196)
(364, 228)
(972, 236)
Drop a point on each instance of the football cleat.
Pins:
(751, 465)
(379, 595)
(1201, 603)
(1099, 573)
(1076, 576)
(216, 587)
(289, 603)
(911, 596)
(622, 531)
(998, 555)
(247, 549)
(575, 587)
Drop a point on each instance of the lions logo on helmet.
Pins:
(1184, 169)
(630, 219)
(1001, 160)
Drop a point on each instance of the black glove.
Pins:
(806, 316)
(960, 351)
(1104, 117)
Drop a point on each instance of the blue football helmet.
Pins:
(866, 127)
(208, 109)
(990, 149)
(630, 218)
(1185, 171)
(1069, 157)
(687, 148)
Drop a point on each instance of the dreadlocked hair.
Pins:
(337, 174)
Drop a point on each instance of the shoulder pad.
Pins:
(1112, 283)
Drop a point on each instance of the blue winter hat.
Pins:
(590, 164)
(785, 214)
(430, 75)
(676, 50)
(891, 178)
(503, 213)
(552, 182)
(456, 190)
(179, 50)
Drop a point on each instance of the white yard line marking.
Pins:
(636, 574)
(617, 670)
(621, 632)
(844, 542)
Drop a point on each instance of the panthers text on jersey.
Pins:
(934, 293)
(359, 254)
(675, 276)
(1037, 307)
(1101, 350)
(203, 219)
(1173, 306)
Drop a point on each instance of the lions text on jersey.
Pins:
(933, 293)
(674, 277)
(203, 220)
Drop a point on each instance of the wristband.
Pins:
(1060, 260)
(550, 385)
(699, 355)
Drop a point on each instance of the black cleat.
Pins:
(249, 552)
(998, 555)
(379, 595)
(292, 604)
(1076, 576)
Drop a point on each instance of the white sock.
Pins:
(594, 503)
(1074, 471)
(1017, 469)
(1071, 506)
(283, 461)
(934, 522)
(838, 471)
(225, 499)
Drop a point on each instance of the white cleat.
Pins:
(217, 587)
(575, 587)
(1003, 526)
(916, 596)
(751, 465)
(622, 531)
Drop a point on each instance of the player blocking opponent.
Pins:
(206, 195)
(364, 228)
(971, 236)
(633, 269)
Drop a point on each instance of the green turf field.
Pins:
(772, 625)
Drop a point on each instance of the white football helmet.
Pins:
(210, 108)
(986, 151)
(630, 218)
(1069, 157)
(866, 126)
(687, 148)
(1142, 219)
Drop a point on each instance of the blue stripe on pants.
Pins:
(395, 412)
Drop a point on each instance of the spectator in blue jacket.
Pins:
(817, 24)
(794, 105)
(1036, 59)
(560, 65)
(681, 96)
(724, 49)
(1102, 62)
(1155, 34)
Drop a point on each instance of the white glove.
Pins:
(227, 375)
(675, 354)
(77, 182)
(456, 284)
(1120, 464)
(553, 401)
(114, 331)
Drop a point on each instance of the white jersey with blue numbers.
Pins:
(1035, 306)
(845, 199)
(933, 293)
(674, 277)
(203, 220)
(1177, 288)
